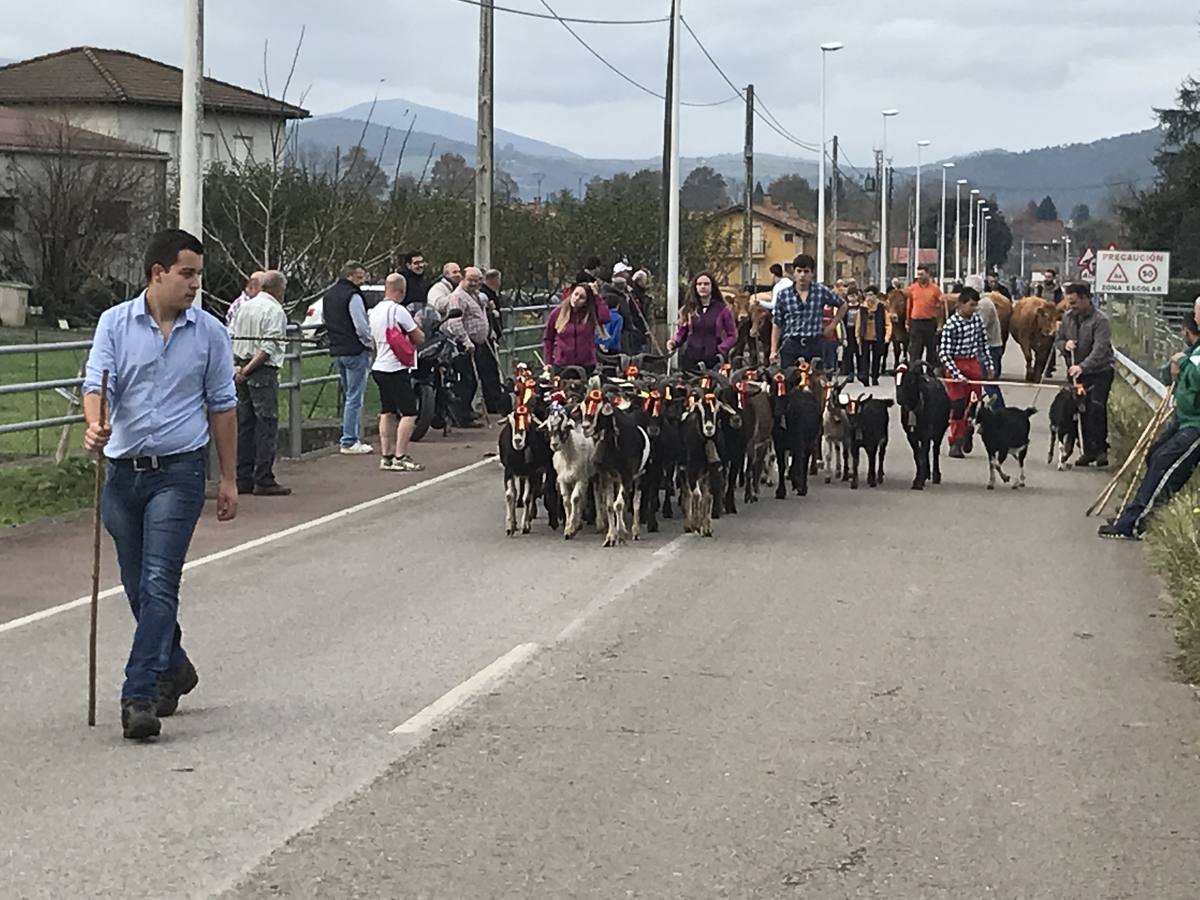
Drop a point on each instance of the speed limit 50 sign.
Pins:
(1132, 271)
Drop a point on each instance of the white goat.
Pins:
(573, 451)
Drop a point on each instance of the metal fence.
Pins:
(1146, 329)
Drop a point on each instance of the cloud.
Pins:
(1023, 74)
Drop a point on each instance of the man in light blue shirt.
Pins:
(170, 386)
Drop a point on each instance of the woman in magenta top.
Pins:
(706, 327)
(570, 335)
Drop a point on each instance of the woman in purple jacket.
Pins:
(706, 328)
(570, 335)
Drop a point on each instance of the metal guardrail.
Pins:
(512, 331)
(1145, 385)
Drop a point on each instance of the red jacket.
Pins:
(576, 345)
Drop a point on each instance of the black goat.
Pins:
(796, 407)
(925, 415)
(528, 471)
(701, 469)
(622, 452)
(1066, 414)
(1004, 431)
(868, 431)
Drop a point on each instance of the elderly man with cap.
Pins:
(472, 331)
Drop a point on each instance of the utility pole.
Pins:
(879, 186)
(673, 204)
(667, 162)
(833, 210)
(748, 200)
(888, 202)
(483, 147)
(191, 126)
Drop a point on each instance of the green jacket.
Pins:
(1187, 389)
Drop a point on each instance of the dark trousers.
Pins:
(991, 390)
(464, 388)
(258, 427)
(851, 355)
(151, 517)
(923, 340)
(1171, 461)
(1095, 419)
(495, 399)
(794, 349)
(870, 361)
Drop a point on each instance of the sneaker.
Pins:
(357, 449)
(1115, 532)
(406, 464)
(139, 720)
(272, 490)
(385, 464)
(1084, 461)
(1102, 461)
(173, 685)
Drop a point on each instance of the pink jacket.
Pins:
(576, 345)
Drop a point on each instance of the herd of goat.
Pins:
(618, 452)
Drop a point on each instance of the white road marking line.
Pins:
(658, 559)
(14, 624)
(477, 684)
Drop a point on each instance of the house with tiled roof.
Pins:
(780, 234)
(136, 100)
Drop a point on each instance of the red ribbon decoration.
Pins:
(521, 419)
(780, 384)
(594, 398)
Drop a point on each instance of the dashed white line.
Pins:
(40, 615)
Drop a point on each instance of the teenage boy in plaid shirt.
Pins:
(966, 360)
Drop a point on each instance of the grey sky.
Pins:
(1030, 74)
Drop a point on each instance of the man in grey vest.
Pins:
(349, 331)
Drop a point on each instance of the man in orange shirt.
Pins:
(924, 303)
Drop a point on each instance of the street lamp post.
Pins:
(971, 229)
(958, 230)
(921, 145)
(884, 249)
(826, 49)
(986, 232)
(942, 228)
(979, 258)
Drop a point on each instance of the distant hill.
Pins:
(400, 114)
(1071, 174)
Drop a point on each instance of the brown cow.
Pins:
(1034, 324)
(897, 306)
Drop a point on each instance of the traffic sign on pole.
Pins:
(1132, 271)
(1087, 264)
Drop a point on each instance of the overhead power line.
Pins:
(539, 15)
(764, 114)
(612, 68)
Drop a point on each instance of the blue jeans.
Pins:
(151, 517)
(352, 370)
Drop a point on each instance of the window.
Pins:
(210, 146)
(165, 142)
(8, 212)
(841, 268)
(243, 147)
(758, 241)
(788, 237)
(114, 216)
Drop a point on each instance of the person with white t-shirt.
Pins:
(393, 377)
(781, 283)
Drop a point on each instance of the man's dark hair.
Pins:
(804, 261)
(165, 247)
(411, 255)
(777, 270)
(923, 268)
(1188, 323)
(1079, 288)
(351, 267)
(872, 289)
(967, 294)
(592, 263)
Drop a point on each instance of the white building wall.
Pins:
(236, 137)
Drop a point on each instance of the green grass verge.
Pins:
(41, 489)
(1173, 539)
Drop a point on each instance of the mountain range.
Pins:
(1091, 173)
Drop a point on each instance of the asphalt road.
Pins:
(954, 694)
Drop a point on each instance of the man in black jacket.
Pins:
(350, 344)
(416, 299)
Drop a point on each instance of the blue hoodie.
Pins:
(612, 342)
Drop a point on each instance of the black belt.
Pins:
(154, 463)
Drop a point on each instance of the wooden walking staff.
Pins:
(96, 557)
(1136, 455)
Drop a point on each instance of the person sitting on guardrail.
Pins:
(1085, 338)
(259, 330)
(1172, 458)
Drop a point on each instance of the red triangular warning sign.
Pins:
(1118, 276)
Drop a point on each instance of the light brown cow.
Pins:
(751, 346)
(1034, 324)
